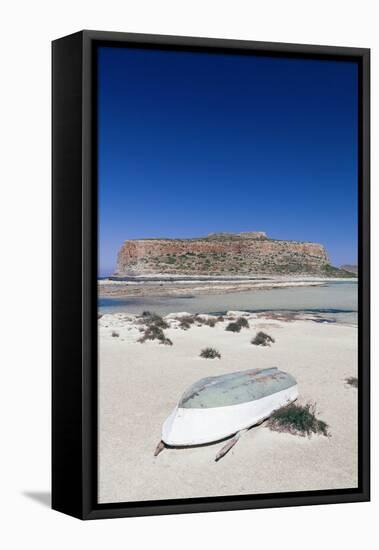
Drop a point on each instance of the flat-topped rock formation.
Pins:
(223, 254)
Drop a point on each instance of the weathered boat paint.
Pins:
(235, 388)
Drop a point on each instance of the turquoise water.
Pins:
(336, 301)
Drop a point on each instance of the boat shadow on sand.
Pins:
(231, 441)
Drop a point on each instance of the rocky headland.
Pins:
(221, 254)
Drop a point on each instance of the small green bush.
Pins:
(352, 381)
(210, 353)
(298, 420)
(186, 322)
(233, 327)
(159, 322)
(153, 319)
(262, 339)
(242, 322)
(152, 333)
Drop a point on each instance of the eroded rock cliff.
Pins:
(221, 254)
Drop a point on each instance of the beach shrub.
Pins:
(153, 332)
(159, 322)
(262, 339)
(115, 334)
(242, 322)
(210, 353)
(233, 327)
(153, 319)
(352, 381)
(298, 420)
(186, 322)
(184, 325)
(191, 319)
(214, 320)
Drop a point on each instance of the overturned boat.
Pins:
(218, 407)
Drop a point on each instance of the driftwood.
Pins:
(230, 444)
(159, 448)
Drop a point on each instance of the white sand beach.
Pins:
(139, 385)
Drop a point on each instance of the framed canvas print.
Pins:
(210, 275)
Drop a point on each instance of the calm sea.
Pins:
(336, 301)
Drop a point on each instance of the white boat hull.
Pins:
(191, 426)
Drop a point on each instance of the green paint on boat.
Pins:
(235, 388)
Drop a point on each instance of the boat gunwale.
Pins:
(229, 433)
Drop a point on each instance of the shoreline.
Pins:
(170, 286)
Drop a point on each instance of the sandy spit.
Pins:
(120, 289)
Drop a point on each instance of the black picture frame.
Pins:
(74, 298)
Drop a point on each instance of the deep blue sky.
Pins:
(194, 143)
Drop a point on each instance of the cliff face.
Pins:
(221, 254)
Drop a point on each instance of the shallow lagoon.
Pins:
(335, 300)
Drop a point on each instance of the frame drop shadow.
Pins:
(41, 497)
